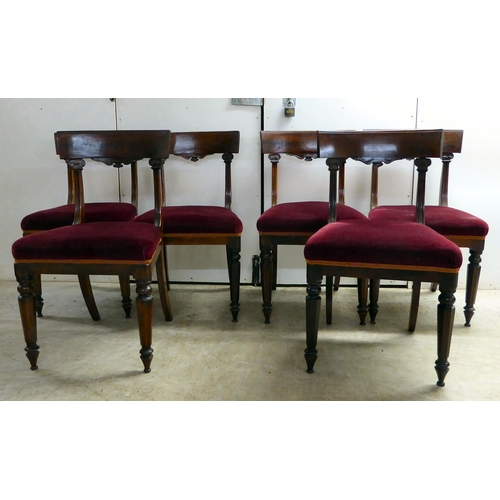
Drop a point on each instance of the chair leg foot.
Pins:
(442, 370)
(235, 309)
(32, 352)
(310, 356)
(39, 306)
(468, 313)
(146, 357)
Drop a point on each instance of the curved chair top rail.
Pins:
(296, 143)
(381, 145)
(453, 141)
(200, 144)
(120, 146)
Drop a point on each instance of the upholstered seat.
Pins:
(64, 215)
(293, 222)
(464, 229)
(445, 220)
(82, 248)
(301, 218)
(382, 244)
(196, 220)
(202, 224)
(93, 241)
(386, 249)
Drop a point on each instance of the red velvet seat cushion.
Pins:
(301, 217)
(380, 244)
(445, 220)
(63, 215)
(196, 220)
(95, 241)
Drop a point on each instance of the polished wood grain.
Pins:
(304, 146)
(452, 144)
(194, 146)
(384, 147)
(107, 147)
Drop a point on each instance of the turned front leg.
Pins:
(266, 271)
(125, 291)
(415, 300)
(161, 274)
(313, 305)
(446, 315)
(37, 280)
(362, 300)
(473, 273)
(145, 318)
(26, 301)
(374, 294)
(234, 267)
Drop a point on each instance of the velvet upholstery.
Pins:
(379, 244)
(301, 217)
(93, 241)
(193, 219)
(445, 220)
(63, 215)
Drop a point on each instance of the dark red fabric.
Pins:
(93, 241)
(196, 220)
(445, 220)
(382, 243)
(301, 217)
(63, 215)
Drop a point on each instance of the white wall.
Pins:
(203, 182)
(474, 176)
(34, 178)
(310, 181)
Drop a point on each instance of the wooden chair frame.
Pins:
(107, 147)
(303, 146)
(194, 146)
(337, 149)
(452, 145)
(84, 280)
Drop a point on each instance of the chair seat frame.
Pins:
(336, 152)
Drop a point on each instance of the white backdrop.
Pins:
(34, 178)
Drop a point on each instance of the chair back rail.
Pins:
(452, 143)
(194, 146)
(111, 148)
(379, 147)
(302, 145)
(134, 182)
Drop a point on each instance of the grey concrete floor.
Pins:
(203, 356)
